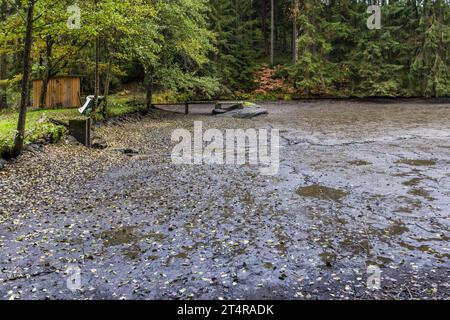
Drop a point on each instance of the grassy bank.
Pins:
(38, 127)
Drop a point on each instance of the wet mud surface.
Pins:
(360, 184)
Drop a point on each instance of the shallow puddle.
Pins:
(379, 261)
(180, 255)
(119, 236)
(418, 192)
(133, 253)
(417, 163)
(322, 192)
(268, 266)
(397, 229)
(413, 182)
(328, 258)
(360, 163)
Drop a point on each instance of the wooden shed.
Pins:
(62, 91)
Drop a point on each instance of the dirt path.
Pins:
(360, 184)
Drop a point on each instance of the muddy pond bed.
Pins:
(360, 184)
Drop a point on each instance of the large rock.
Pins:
(249, 112)
(242, 110)
(71, 140)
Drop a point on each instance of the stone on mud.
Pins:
(127, 151)
(241, 110)
(99, 143)
(40, 142)
(71, 140)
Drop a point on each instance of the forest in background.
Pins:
(201, 49)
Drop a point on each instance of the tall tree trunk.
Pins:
(46, 75)
(44, 89)
(106, 85)
(20, 134)
(3, 96)
(272, 31)
(97, 70)
(3, 63)
(265, 28)
(295, 31)
(97, 74)
(149, 88)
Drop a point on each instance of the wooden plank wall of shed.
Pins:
(62, 92)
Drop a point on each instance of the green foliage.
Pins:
(373, 68)
(430, 68)
(189, 84)
(337, 54)
(313, 71)
(39, 131)
(340, 56)
(235, 27)
(39, 128)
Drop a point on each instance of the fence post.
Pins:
(186, 108)
(81, 130)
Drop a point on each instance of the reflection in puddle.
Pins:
(322, 192)
(417, 163)
(425, 249)
(269, 266)
(328, 258)
(418, 192)
(119, 236)
(413, 182)
(397, 229)
(379, 261)
(360, 163)
(134, 252)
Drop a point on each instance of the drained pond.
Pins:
(360, 185)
